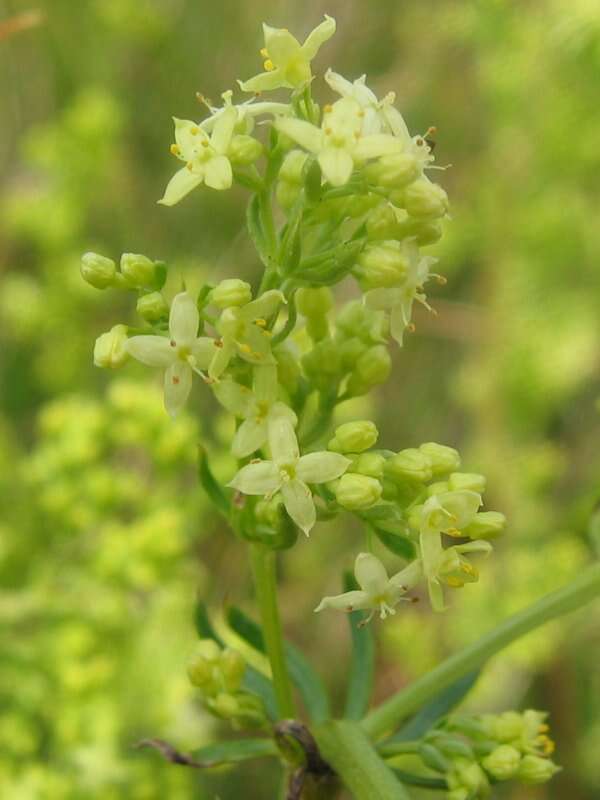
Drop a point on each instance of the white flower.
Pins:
(205, 156)
(339, 143)
(258, 408)
(377, 592)
(243, 331)
(287, 62)
(245, 112)
(289, 473)
(399, 300)
(181, 353)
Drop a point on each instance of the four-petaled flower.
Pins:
(205, 156)
(339, 143)
(182, 352)
(377, 592)
(399, 300)
(244, 330)
(287, 62)
(289, 473)
(258, 408)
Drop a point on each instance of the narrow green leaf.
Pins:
(346, 748)
(437, 708)
(399, 545)
(302, 674)
(362, 662)
(253, 681)
(210, 485)
(214, 755)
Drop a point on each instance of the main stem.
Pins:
(265, 583)
(579, 592)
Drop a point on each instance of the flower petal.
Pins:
(249, 437)
(255, 346)
(234, 397)
(265, 383)
(263, 307)
(322, 467)
(259, 478)
(431, 552)
(370, 574)
(155, 351)
(179, 186)
(318, 37)
(398, 322)
(218, 173)
(299, 504)
(265, 82)
(223, 130)
(281, 45)
(337, 165)
(339, 84)
(283, 441)
(376, 145)
(436, 595)
(203, 350)
(178, 384)
(349, 601)
(184, 137)
(306, 135)
(224, 352)
(385, 299)
(409, 576)
(184, 319)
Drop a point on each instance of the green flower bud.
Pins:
(383, 264)
(208, 649)
(288, 369)
(534, 769)
(152, 307)
(109, 350)
(425, 200)
(390, 490)
(314, 302)
(467, 480)
(415, 515)
(244, 150)
(505, 727)
(231, 292)
(200, 672)
(371, 464)
(287, 194)
(354, 437)
(503, 763)
(424, 231)
(250, 712)
(394, 171)
(357, 492)
(322, 364)
(443, 459)
(486, 525)
(232, 666)
(350, 351)
(356, 320)
(225, 705)
(382, 223)
(372, 368)
(292, 167)
(409, 465)
(138, 270)
(317, 328)
(437, 488)
(357, 204)
(98, 271)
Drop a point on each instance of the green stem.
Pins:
(265, 583)
(579, 592)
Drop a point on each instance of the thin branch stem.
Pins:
(265, 583)
(579, 592)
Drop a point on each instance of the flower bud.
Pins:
(370, 464)
(425, 200)
(109, 350)
(139, 271)
(225, 705)
(394, 171)
(314, 302)
(437, 488)
(152, 307)
(354, 437)
(486, 525)
(383, 264)
(409, 465)
(505, 727)
(231, 292)
(244, 150)
(503, 763)
(97, 270)
(288, 369)
(208, 649)
(232, 666)
(356, 492)
(443, 459)
(534, 769)
(200, 672)
(356, 320)
(317, 328)
(467, 480)
(292, 167)
(382, 223)
(322, 363)
(287, 193)
(372, 368)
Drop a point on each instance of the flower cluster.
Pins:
(473, 752)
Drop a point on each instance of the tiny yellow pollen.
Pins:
(175, 149)
(327, 109)
(456, 583)
(454, 532)
(268, 65)
(218, 342)
(411, 327)
(264, 52)
(245, 348)
(328, 131)
(544, 728)
(260, 322)
(189, 165)
(194, 130)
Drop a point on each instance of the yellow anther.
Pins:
(262, 323)
(328, 131)
(469, 569)
(454, 532)
(204, 142)
(327, 109)
(441, 280)
(268, 65)
(175, 149)
(190, 166)
(245, 348)
(544, 728)
(411, 327)
(194, 130)
(264, 52)
(456, 583)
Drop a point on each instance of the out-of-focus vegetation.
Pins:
(105, 537)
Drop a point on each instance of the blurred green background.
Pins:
(105, 538)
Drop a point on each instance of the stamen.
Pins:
(175, 380)
(264, 52)
(175, 150)
(262, 323)
(327, 109)
(268, 65)
(194, 130)
(411, 327)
